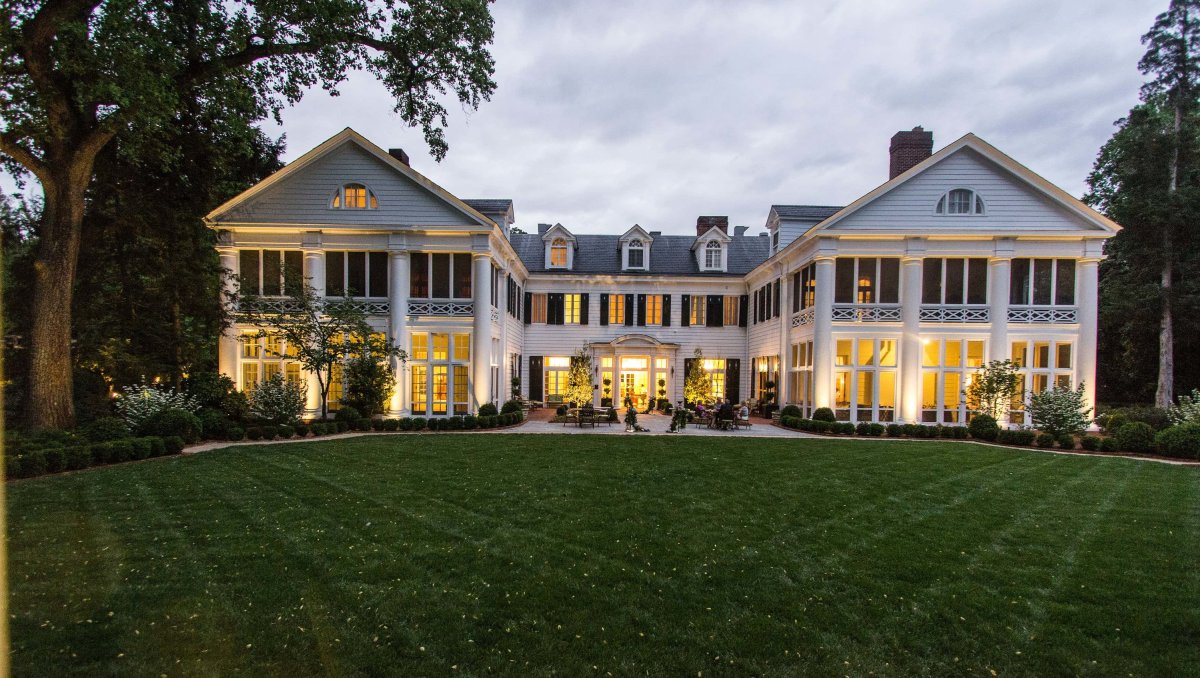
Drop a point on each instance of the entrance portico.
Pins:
(634, 363)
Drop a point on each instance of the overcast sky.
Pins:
(612, 113)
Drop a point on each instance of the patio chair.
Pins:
(587, 416)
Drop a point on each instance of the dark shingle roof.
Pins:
(490, 205)
(669, 255)
(805, 212)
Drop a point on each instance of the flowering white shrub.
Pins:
(1059, 411)
(1188, 409)
(138, 403)
(277, 400)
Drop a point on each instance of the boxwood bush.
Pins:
(983, 427)
(173, 422)
(1181, 441)
(488, 409)
(391, 424)
(1136, 436)
(1090, 442)
(1066, 441)
(511, 406)
(1045, 440)
(105, 428)
(418, 423)
(824, 414)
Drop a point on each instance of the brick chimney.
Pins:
(399, 154)
(908, 149)
(705, 223)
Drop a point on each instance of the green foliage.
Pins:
(216, 391)
(790, 411)
(369, 377)
(1090, 442)
(173, 422)
(105, 428)
(1181, 440)
(1066, 441)
(579, 387)
(983, 427)
(139, 404)
(1059, 411)
(823, 414)
(697, 385)
(277, 400)
(993, 387)
(631, 418)
(1135, 436)
(1045, 440)
(1186, 409)
(347, 413)
(511, 406)
(488, 409)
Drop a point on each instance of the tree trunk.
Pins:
(1164, 396)
(51, 396)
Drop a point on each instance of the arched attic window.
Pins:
(712, 255)
(637, 253)
(354, 197)
(960, 201)
(558, 253)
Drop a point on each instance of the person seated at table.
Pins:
(744, 413)
(725, 413)
(700, 410)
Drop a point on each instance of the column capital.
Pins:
(1089, 261)
(398, 254)
(912, 259)
(227, 250)
(827, 259)
(1000, 259)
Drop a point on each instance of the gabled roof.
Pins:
(710, 235)
(636, 232)
(349, 136)
(557, 231)
(804, 212)
(601, 255)
(492, 206)
(1026, 175)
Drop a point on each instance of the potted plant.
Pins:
(606, 399)
(768, 401)
(663, 403)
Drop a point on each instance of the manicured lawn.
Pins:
(590, 555)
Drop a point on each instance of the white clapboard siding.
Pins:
(304, 196)
(1011, 205)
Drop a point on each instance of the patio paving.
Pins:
(657, 424)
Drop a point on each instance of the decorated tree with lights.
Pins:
(698, 385)
(579, 379)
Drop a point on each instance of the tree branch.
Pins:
(13, 149)
(203, 70)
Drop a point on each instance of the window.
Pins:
(264, 357)
(537, 308)
(571, 308)
(1042, 365)
(947, 369)
(960, 201)
(712, 256)
(954, 281)
(270, 273)
(654, 304)
(715, 368)
(558, 253)
(616, 309)
(731, 310)
(636, 254)
(696, 310)
(356, 274)
(801, 376)
(804, 287)
(439, 364)
(1042, 282)
(440, 276)
(765, 369)
(866, 280)
(354, 197)
(865, 384)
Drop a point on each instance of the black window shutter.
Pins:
(715, 311)
(743, 307)
(535, 378)
(555, 311)
(603, 309)
(776, 314)
(583, 309)
(685, 310)
(666, 311)
(629, 310)
(733, 379)
(528, 309)
(641, 312)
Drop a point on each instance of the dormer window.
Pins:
(960, 201)
(558, 253)
(354, 197)
(712, 256)
(637, 254)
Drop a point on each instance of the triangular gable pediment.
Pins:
(558, 231)
(636, 233)
(1017, 200)
(300, 193)
(711, 235)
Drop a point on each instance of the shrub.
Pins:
(612, 414)
(511, 406)
(862, 428)
(406, 424)
(418, 423)
(301, 430)
(1045, 440)
(172, 422)
(1156, 418)
(122, 450)
(895, 430)
(488, 409)
(319, 428)
(1066, 441)
(369, 382)
(363, 425)
(339, 426)
(790, 411)
(823, 414)
(1109, 422)
(434, 424)
(214, 425)
(912, 430)
(347, 413)
(284, 431)
(469, 423)
(1182, 440)
(1109, 444)
(56, 459)
(277, 400)
(983, 427)
(32, 463)
(376, 424)
(560, 410)
(217, 391)
(875, 430)
(12, 466)
(105, 428)
(80, 456)
(254, 433)
(1187, 409)
(391, 424)
(158, 448)
(1059, 411)
(174, 444)
(1136, 436)
(139, 448)
(137, 404)
(101, 453)
(455, 423)
(822, 426)
(1090, 442)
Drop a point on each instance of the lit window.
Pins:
(441, 346)
(731, 310)
(696, 313)
(960, 201)
(462, 348)
(637, 254)
(354, 197)
(420, 346)
(616, 309)
(558, 253)
(559, 362)
(654, 309)
(571, 304)
(712, 255)
(537, 308)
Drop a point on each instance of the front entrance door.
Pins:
(635, 382)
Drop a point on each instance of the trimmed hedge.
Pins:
(52, 459)
(1136, 436)
(824, 414)
(1181, 441)
(983, 427)
(510, 406)
(488, 409)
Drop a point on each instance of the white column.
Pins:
(1088, 301)
(910, 342)
(227, 346)
(481, 340)
(823, 335)
(1000, 271)
(314, 270)
(783, 387)
(397, 326)
(502, 361)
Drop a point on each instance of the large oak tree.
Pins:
(76, 73)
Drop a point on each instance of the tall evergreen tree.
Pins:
(1147, 179)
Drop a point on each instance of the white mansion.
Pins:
(882, 309)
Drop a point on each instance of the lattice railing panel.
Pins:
(803, 318)
(450, 308)
(287, 305)
(870, 313)
(1043, 314)
(955, 313)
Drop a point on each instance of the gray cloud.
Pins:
(614, 113)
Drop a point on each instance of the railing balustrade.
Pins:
(955, 313)
(867, 313)
(1043, 314)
